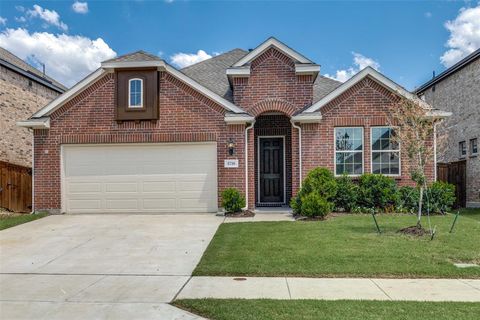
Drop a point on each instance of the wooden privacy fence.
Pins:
(15, 187)
(456, 174)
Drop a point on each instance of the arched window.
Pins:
(135, 93)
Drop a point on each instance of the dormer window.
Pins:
(135, 93)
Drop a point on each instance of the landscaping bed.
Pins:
(328, 310)
(344, 246)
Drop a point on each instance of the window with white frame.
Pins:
(462, 149)
(473, 147)
(385, 151)
(349, 151)
(135, 93)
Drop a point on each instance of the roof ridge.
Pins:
(151, 55)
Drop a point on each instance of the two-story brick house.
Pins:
(23, 91)
(457, 90)
(138, 135)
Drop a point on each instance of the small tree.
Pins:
(415, 134)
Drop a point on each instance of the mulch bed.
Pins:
(414, 231)
(242, 214)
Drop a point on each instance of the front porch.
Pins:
(272, 158)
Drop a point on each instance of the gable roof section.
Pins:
(375, 75)
(272, 42)
(13, 62)
(133, 60)
(456, 67)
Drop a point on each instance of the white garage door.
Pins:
(140, 178)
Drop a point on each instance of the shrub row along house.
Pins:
(138, 135)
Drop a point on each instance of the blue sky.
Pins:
(405, 40)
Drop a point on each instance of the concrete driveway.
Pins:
(100, 266)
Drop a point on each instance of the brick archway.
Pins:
(273, 105)
(273, 120)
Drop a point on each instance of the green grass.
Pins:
(473, 213)
(11, 221)
(329, 310)
(344, 246)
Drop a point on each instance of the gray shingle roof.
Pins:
(135, 56)
(19, 63)
(211, 73)
(323, 86)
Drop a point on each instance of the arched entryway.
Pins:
(273, 159)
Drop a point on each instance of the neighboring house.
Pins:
(23, 91)
(138, 135)
(457, 90)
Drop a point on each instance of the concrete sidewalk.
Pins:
(332, 289)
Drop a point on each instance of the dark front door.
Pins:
(271, 173)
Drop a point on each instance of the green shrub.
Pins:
(439, 198)
(314, 205)
(232, 200)
(347, 194)
(321, 182)
(407, 199)
(377, 191)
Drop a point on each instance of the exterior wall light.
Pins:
(231, 146)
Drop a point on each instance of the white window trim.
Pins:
(462, 156)
(372, 151)
(335, 151)
(471, 147)
(141, 94)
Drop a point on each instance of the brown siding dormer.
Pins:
(149, 107)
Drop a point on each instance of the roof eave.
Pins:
(40, 123)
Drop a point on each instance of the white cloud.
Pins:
(20, 19)
(359, 62)
(67, 58)
(49, 16)
(80, 7)
(183, 60)
(3, 21)
(464, 35)
(20, 8)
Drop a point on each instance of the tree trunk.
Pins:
(420, 204)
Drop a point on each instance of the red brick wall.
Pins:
(364, 105)
(273, 79)
(185, 115)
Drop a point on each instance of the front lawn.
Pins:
(473, 213)
(329, 310)
(8, 221)
(344, 246)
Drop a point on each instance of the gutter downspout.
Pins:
(299, 150)
(246, 162)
